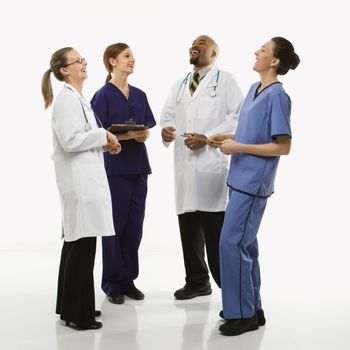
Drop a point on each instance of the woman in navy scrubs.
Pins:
(263, 135)
(115, 103)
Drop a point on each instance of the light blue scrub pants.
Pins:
(239, 265)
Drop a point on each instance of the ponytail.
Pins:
(109, 77)
(46, 88)
(58, 60)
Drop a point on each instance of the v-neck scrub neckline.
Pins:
(120, 91)
(266, 87)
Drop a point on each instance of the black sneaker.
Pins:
(239, 326)
(189, 293)
(259, 314)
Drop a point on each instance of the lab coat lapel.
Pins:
(207, 81)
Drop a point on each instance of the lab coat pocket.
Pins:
(63, 179)
(91, 182)
(209, 161)
(208, 107)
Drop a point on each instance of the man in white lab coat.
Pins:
(203, 103)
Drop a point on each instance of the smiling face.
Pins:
(75, 68)
(124, 62)
(265, 60)
(203, 51)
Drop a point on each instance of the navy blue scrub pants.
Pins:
(239, 265)
(120, 252)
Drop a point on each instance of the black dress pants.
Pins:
(76, 294)
(199, 229)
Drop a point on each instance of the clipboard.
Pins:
(129, 125)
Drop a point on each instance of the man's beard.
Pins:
(194, 60)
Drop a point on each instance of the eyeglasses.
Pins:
(79, 60)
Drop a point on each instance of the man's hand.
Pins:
(168, 134)
(195, 141)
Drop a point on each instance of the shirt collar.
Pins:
(203, 71)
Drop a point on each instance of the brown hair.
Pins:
(58, 60)
(284, 51)
(112, 51)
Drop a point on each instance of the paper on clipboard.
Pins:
(130, 125)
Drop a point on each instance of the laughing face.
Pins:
(264, 58)
(202, 52)
(124, 62)
(75, 69)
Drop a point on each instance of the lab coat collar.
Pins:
(71, 87)
(81, 97)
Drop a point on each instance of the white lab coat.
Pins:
(200, 176)
(79, 166)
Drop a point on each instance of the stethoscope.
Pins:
(184, 83)
(87, 125)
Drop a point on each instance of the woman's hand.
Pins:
(216, 140)
(141, 136)
(229, 146)
(113, 146)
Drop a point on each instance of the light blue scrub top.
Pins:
(262, 117)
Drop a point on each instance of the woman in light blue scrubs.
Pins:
(263, 135)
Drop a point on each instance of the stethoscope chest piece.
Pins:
(87, 126)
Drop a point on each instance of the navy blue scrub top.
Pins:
(112, 107)
(262, 117)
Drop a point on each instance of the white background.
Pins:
(306, 221)
(304, 236)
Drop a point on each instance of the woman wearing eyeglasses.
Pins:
(82, 183)
(115, 103)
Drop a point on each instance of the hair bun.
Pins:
(296, 61)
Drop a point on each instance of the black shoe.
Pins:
(93, 325)
(134, 293)
(117, 298)
(239, 326)
(261, 317)
(97, 313)
(189, 293)
(259, 314)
